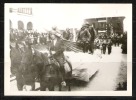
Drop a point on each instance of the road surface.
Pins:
(111, 69)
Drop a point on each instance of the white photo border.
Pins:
(7, 91)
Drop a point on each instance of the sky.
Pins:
(72, 15)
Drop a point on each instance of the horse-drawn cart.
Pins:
(42, 51)
(78, 73)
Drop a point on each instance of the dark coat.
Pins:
(16, 57)
(66, 35)
(84, 35)
(58, 48)
(92, 33)
(104, 46)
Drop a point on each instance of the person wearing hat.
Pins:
(109, 46)
(83, 37)
(92, 32)
(55, 31)
(56, 51)
(67, 34)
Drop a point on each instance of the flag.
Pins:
(72, 45)
(69, 44)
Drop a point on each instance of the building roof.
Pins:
(104, 18)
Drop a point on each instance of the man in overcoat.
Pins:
(83, 38)
(91, 43)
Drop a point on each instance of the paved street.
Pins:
(108, 66)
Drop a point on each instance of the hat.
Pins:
(56, 33)
(54, 27)
(85, 25)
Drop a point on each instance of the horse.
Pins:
(28, 69)
(50, 75)
(16, 57)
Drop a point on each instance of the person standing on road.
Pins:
(109, 46)
(83, 38)
(104, 47)
(92, 32)
(124, 43)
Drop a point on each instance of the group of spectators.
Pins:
(104, 42)
(35, 37)
(103, 45)
(32, 37)
(100, 41)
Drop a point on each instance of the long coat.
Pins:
(84, 35)
(59, 49)
(92, 33)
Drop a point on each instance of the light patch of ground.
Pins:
(111, 70)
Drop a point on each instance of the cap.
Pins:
(54, 27)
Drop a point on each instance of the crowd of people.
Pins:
(33, 37)
(104, 42)
(87, 38)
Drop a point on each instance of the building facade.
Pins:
(107, 25)
(21, 18)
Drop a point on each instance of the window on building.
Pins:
(20, 25)
(25, 11)
(29, 26)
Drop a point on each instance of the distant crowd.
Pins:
(104, 42)
(98, 41)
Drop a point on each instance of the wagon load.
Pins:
(79, 73)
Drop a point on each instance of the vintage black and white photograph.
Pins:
(68, 49)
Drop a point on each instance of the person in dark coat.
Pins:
(66, 34)
(83, 38)
(104, 47)
(35, 40)
(45, 38)
(109, 46)
(91, 43)
(15, 56)
(12, 37)
(124, 43)
(101, 45)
